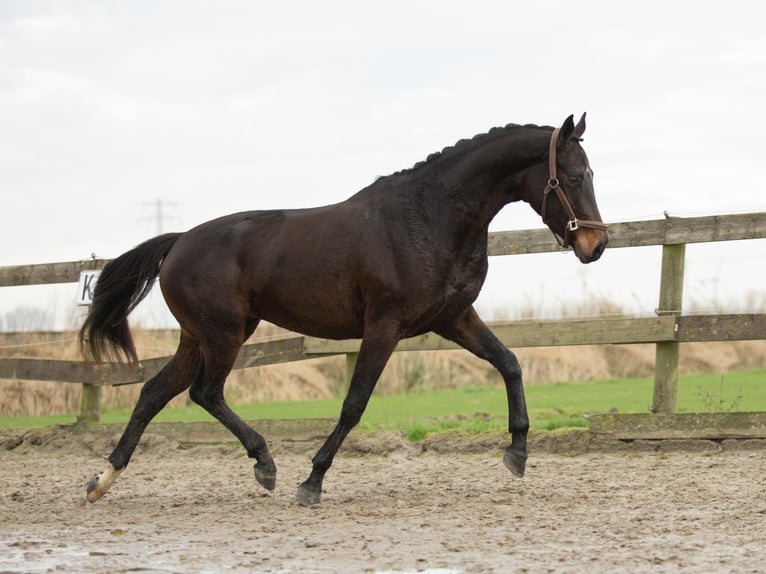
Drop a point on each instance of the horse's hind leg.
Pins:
(219, 354)
(174, 378)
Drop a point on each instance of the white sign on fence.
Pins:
(86, 286)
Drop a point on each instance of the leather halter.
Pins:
(554, 185)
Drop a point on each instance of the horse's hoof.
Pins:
(100, 483)
(307, 496)
(515, 462)
(266, 476)
(92, 490)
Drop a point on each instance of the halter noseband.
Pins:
(553, 184)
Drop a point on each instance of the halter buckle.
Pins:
(573, 225)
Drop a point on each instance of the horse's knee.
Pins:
(196, 395)
(510, 369)
(202, 396)
(351, 414)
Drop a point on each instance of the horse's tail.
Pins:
(123, 283)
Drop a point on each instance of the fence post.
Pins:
(90, 404)
(666, 355)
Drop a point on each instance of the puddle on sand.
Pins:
(37, 556)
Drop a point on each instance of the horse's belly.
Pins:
(312, 312)
(321, 327)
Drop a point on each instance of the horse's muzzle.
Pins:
(589, 244)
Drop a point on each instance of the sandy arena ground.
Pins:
(199, 509)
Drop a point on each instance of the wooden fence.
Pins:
(667, 330)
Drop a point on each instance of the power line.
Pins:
(160, 213)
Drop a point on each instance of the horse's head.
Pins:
(561, 191)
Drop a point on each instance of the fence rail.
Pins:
(667, 331)
(680, 329)
(47, 273)
(668, 231)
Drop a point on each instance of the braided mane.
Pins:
(463, 144)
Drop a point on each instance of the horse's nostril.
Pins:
(599, 250)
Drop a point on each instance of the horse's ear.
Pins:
(580, 127)
(566, 131)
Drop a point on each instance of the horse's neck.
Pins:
(454, 197)
(467, 201)
(485, 179)
(437, 218)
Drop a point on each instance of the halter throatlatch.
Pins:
(554, 185)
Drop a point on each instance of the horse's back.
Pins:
(295, 268)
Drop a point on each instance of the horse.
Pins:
(404, 256)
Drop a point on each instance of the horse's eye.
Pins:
(575, 179)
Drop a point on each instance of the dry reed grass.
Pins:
(322, 378)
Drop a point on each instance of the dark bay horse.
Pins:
(404, 256)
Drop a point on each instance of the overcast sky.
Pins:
(217, 107)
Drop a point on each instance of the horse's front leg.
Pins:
(471, 333)
(378, 343)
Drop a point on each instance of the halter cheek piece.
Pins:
(554, 185)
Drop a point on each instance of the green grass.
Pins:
(484, 408)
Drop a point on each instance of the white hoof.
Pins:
(100, 483)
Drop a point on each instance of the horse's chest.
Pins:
(462, 286)
(466, 276)
(455, 289)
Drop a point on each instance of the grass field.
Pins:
(484, 408)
